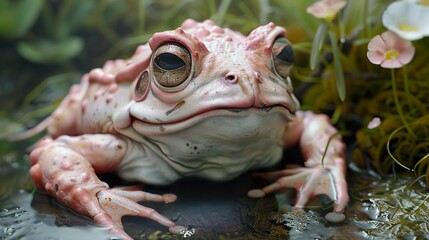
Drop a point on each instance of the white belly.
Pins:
(218, 147)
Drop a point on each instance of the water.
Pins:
(28, 216)
(379, 209)
(393, 208)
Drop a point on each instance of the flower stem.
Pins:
(341, 27)
(398, 107)
(365, 20)
(407, 88)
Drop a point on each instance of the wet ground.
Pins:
(212, 210)
(386, 209)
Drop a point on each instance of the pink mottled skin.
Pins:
(229, 109)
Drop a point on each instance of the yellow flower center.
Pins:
(424, 2)
(407, 27)
(391, 54)
(330, 14)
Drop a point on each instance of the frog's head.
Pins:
(201, 71)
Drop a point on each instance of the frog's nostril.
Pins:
(231, 77)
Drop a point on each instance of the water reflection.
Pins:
(28, 216)
(393, 208)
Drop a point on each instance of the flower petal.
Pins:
(412, 36)
(377, 44)
(423, 23)
(407, 19)
(375, 122)
(391, 40)
(327, 9)
(336, 5)
(406, 55)
(375, 57)
(317, 9)
(391, 63)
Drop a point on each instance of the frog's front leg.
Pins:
(312, 132)
(66, 168)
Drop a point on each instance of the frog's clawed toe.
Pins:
(308, 182)
(118, 203)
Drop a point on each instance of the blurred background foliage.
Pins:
(46, 45)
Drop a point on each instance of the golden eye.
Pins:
(172, 66)
(142, 86)
(283, 57)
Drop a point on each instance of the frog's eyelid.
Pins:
(286, 55)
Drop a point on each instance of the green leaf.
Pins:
(7, 29)
(317, 44)
(221, 11)
(17, 17)
(47, 51)
(339, 75)
(27, 11)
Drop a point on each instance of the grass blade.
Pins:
(317, 44)
(339, 75)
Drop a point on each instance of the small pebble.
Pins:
(256, 193)
(184, 231)
(335, 217)
(189, 232)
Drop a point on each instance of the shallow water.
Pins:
(380, 209)
(37, 216)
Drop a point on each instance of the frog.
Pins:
(198, 101)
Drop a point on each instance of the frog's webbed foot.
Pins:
(119, 202)
(308, 182)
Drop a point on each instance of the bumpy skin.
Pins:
(228, 110)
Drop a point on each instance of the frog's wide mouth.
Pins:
(145, 127)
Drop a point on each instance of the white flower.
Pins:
(407, 19)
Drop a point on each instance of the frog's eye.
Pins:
(283, 57)
(172, 66)
(142, 86)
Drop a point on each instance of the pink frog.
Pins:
(200, 101)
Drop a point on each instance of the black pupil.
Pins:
(286, 54)
(168, 61)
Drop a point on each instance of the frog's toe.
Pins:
(113, 204)
(140, 196)
(308, 182)
(342, 196)
(319, 181)
(104, 219)
(283, 179)
(118, 203)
